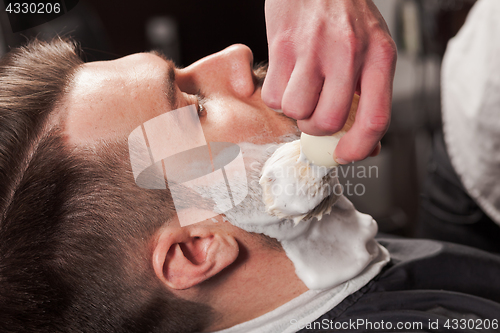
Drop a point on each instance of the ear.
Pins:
(186, 256)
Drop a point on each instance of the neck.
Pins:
(261, 280)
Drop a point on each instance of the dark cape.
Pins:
(428, 286)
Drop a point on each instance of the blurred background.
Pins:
(387, 186)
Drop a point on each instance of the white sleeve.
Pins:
(471, 104)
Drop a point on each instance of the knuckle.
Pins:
(387, 50)
(353, 44)
(296, 105)
(354, 50)
(271, 99)
(330, 125)
(294, 113)
(353, 156)
(273, 104)
(376, 125)
(284, 43)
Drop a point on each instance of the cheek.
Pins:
(235, 123)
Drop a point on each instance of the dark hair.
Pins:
(75, 230)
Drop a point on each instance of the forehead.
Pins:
(110, 98)
(106, 79)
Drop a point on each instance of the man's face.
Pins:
(111, 98)
(108, 100)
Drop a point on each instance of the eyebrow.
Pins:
(169, 81)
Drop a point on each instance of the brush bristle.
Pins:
(295, 189)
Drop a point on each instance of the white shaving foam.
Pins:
(293, 186)
(325, 253)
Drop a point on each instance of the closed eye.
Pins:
(200, 104)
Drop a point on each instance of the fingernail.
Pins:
(340, 160)
(277, 110)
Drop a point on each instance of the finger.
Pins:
(333, 105)
(373, 115)
(278, 73)
(302, 91)
(376, 151)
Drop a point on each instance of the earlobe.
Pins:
(183, 257)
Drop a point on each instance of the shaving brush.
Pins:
(299, 181)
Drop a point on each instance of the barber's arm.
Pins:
(320, 53)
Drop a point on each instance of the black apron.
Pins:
(427, 286)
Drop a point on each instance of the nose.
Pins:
(226, 72)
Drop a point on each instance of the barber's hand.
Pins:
(320, 53)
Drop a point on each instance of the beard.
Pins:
(250, 214)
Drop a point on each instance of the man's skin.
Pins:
(216, 263)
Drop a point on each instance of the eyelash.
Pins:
(200, 104)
